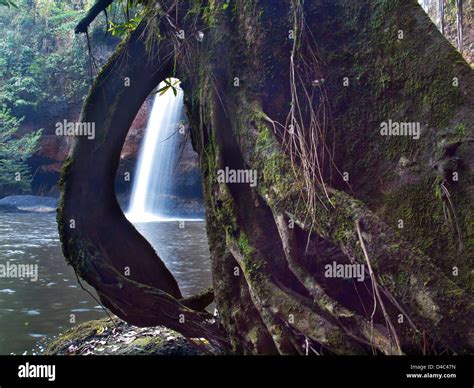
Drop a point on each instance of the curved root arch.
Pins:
(98, 241)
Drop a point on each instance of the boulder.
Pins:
(28, 203)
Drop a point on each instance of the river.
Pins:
(33, 311)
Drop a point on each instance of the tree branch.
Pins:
(97, 8)
(200, 301)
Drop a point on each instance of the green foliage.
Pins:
(44, 75)
(43, 66)
(14, 151)
(170, 83)
(45, 71)
(122, 29)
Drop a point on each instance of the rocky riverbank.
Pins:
(28, 203)
(116, 337)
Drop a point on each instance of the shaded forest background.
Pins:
(45, 72)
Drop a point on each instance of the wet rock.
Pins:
(29, 203)
(116, 337)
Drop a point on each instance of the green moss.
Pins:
(209, 12)
(97, 337)
(225, 210)
(147, 342)
(421, 214)
(80, 333)
(460, 130)
(253, 263)
(272, 163)
(66, 168)
(420, 207)
(244, 245)
(390, 78)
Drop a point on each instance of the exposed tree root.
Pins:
(272, 301)
(353, 324)
(426, 294)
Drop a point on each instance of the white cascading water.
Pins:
(157, 160)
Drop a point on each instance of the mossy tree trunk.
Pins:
(297, 92)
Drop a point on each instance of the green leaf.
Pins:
(163, 90)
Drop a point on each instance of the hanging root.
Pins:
(308, 133)
(376, 293)
(306, 126)
(450, 214)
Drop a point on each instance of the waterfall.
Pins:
(153, 183)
